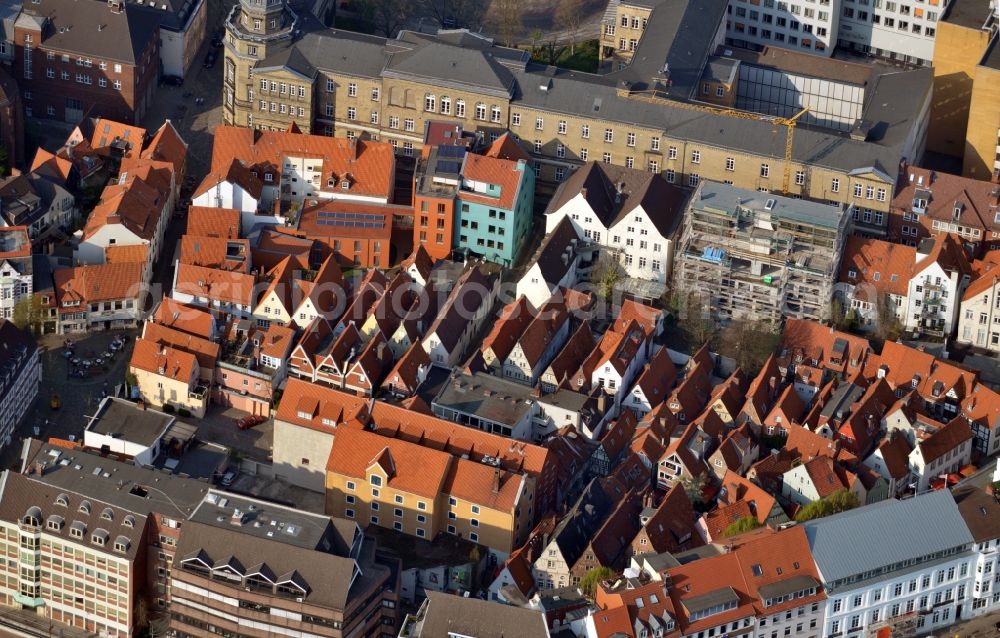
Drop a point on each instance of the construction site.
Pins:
(755, 255)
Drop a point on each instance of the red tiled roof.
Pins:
(189, 319)
(895, 452)
(203, 221)
(163, 360)
(369, 165)
(205, 351)
(507, 174)
(215, 252)
(413, 469)
(100, 282)
(319, 403)
(885, 266)
(167, 146)
(222, 285)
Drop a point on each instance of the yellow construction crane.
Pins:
(788, 122)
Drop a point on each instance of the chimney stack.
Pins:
(496, 481)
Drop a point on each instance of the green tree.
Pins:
(744, 524)
(29, 314)
(597, 574)
(839, 501)
(569, 16)
(607, 272)
(694, 487)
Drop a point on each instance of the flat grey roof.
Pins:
(971, 14)
(726, 197)
(889, 532)
(122, 419)
(265, 520)
(446, 615)
(126, 485)
(485, 396)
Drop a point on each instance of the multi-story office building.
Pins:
(874, 581)
(20, 375)
(759, 256)
(638, 116)
(981, 512)
(478, 204)
(248, 567)
(74, 559)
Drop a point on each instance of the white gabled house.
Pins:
(632, 213)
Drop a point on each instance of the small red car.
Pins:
(249, 421)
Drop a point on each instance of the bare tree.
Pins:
(569, 17)
(607, 272)
(749, 343)
(391, 15)
(506, 19)
(887, 325)
(693, 318)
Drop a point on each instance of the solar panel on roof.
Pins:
(451, 151)
(449, 167)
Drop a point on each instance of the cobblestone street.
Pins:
(78, 397)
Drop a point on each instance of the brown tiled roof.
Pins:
(574, 351)
(658, 377)
(378, 224)
(213, 222)
(942, 191)
(234, 173)
(725, 515)
(469, 294)
(945, 440)
(896, 455)
(673, 525)
(646, 316)
(551, 317)
(278, 341)
(421, 259)
(613, 192)
(934, 377)
(513, 320)
(407, 366)
(806, 444)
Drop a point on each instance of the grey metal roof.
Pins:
(594, 97)
(723, 596)
(341, 51)
(726, 197)
(787, 586)
(486, 396)
(453, 67)
(9, 10)
(173, 15)
(680, 37)
(889, 532)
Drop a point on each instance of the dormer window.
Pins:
(108, 514)
(268, 177)
(331, 182)
(345, 184)
(63, 500)
(84, 507)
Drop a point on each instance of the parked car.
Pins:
(227, 479)
(172, 80)
(249, 421)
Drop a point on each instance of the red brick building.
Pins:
(74, 59)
